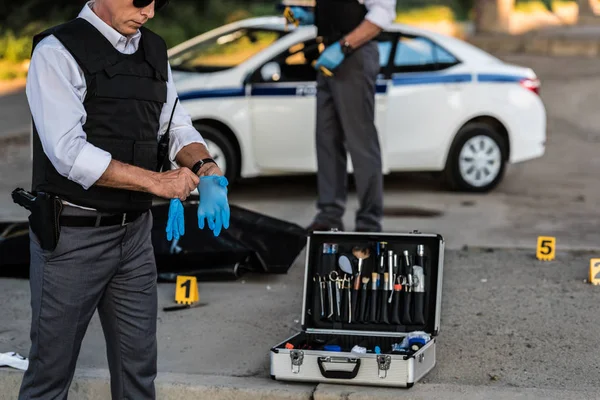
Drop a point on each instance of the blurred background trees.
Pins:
(183, 19)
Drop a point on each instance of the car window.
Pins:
(224, 51)
(414, 53)
(385, 48)
(295, 64)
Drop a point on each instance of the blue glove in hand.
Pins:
(175, 222)
(304, 16)
(213, 203)
(331, 58)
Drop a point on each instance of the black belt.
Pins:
(100, 220)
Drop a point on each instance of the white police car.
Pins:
(442, 104)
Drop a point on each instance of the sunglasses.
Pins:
(145, 3)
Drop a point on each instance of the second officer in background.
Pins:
(346, 108)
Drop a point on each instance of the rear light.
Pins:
(531, 84)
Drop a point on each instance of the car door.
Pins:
(424, 101)
(283, 107)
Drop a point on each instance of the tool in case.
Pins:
(371, 310)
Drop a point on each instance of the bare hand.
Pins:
(178, 183)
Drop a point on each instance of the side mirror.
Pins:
(270, 72)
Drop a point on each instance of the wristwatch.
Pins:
(201, 163)
(347, 49)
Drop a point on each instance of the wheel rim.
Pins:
(217, 154)
(480, 161)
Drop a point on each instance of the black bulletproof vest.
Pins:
(124, 98)
(336, 18)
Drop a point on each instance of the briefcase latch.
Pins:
(297, 357)
(383, 364)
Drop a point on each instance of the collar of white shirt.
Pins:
(119, 41)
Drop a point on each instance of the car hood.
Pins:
(194, 81)
(183, 78)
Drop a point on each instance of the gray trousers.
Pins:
(110, 269)
(346, 123)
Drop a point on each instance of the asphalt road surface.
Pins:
(509, 321)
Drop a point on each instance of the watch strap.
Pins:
(201, 163)
(347, 49)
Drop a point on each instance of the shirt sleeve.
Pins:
(182, 132)
(55, 88)
(381, 12)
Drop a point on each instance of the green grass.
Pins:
(10, 70)
(535, 6)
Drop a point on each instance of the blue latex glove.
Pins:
(213, 203)
(304, 16)
(331, 58)
(175, 222)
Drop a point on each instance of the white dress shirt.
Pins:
(56, 89)
(380, 12)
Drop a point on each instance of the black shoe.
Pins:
(319, 226)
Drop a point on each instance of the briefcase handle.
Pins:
(339, 374)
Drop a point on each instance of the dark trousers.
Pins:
(346, 124)
(110, 269)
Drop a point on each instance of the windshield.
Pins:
(224, 51)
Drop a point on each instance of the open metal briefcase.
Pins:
(371, 310)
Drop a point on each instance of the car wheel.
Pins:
(477, 159)
(221, 149)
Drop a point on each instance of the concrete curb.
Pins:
(94, 385)
(554, 45)
(448, 391)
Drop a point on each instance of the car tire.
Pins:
(222, 150)
(477, 159)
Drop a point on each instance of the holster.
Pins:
(45, 211)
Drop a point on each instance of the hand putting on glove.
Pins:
(331, 58)
(213, 205)
(175, 221)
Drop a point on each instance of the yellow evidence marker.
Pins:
(186, 290)
(595, 271)
(546, 248)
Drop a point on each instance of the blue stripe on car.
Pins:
(212, 93)
(275, 91)
(258, 91)
(420, 79)
(499, 78)
(381, 87)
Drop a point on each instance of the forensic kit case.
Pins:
(371, 310)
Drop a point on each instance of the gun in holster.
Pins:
(44, 218)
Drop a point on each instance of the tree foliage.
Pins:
(16, 15)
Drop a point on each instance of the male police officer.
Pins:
(346, 107)
(101, 93)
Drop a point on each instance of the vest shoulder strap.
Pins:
(155, 50)
(92, 51)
